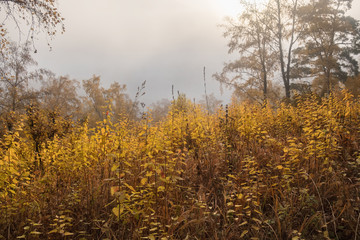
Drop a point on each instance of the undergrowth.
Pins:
(246, 172)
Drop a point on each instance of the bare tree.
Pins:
(15, 76)
(286, 29)
(251, 38)
(39, 15)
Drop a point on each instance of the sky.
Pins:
(165, 42)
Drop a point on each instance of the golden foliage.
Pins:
(244, 172)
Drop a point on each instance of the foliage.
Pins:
(15, 77)
(100, 101)
(246, 171)
(39, 15)
(60, 94)
(160, 109)
(299, 40)
(331, 42)
(250, 36)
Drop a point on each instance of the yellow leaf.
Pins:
(279, 167)
(255, 227)
(256, 220)
(53, 231)
(130, 187)
(117, 211)
(231, 176)
(114, 167)
(114, 189)
(244, 233)
(143, 181)
(243, 223)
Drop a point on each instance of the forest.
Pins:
(281, 161)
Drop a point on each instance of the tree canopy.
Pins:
(38, 15)
(298, 40)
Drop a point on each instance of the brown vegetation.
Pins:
(244, 172)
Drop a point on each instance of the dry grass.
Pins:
(285, 172)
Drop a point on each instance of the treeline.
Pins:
(285, 48)
(292, 46)
(24, 87)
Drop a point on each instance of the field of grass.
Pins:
(246, 172)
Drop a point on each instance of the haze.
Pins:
(163, 42)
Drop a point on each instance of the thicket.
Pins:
(245, 172)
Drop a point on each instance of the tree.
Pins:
(181, 104)
(331, 41)
(353, 85)
(15, 76)
(250, 36)
(160, 109)
(300, 39)
(286, 29)
(100, 102)
(37, 14)
(59, 94)
(210, 103)
(275, 90)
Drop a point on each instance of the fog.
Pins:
(163, 42)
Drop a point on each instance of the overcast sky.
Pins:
(165, 42)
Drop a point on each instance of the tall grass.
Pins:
(245, 172)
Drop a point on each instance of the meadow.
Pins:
(283, 171)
